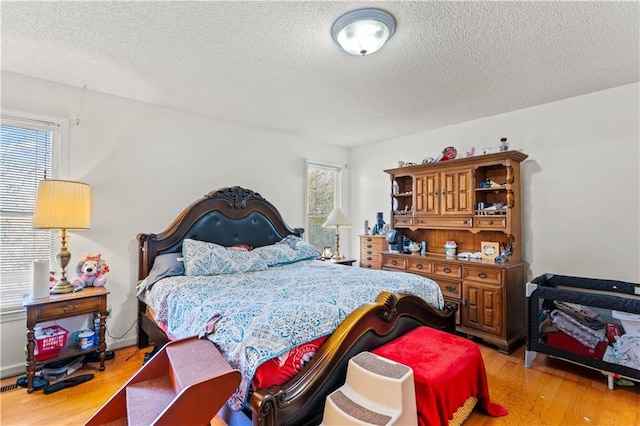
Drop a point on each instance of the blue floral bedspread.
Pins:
(259, 315)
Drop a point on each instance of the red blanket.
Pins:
(447, 370)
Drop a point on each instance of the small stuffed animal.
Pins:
(91, 272)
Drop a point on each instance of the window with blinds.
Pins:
(26, 148)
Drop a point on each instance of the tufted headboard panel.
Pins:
(227, 216)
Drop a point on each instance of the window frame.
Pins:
(59, 128)
(337, 199)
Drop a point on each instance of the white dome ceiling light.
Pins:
(363, 31)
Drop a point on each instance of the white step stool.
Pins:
(377, 391)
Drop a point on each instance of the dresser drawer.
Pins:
(447, 270)
(394, 263)
(485, 275)
(403, 220)
(450, 289)
(371, 248)
(443, 222)
(69, 308)
(419, 265)
(372, 241)
(497, 222)
(371, 261)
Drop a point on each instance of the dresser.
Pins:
(490, 296)
(370, 248)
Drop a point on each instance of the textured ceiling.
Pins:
(274, 65)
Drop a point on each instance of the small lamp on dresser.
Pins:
(336, 219)
(63, 205)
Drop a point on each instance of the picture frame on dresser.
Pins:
(489, 250)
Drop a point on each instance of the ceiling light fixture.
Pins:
(363, 31)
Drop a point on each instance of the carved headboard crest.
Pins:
(235, 196)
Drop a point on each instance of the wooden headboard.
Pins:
(227, 216)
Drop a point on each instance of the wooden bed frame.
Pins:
(236, 215)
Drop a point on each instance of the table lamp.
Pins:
(63, 205)
(337, 218)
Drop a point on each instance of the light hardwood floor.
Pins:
(552, 392)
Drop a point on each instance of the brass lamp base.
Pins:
(62, 287)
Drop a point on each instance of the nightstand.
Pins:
(89, 300)
(348, 262)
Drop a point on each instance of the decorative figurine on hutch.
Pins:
(504, 145)
(380, 222)
(91, 271)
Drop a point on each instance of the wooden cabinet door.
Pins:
(457, 192)
(482, 307)
(427, 194)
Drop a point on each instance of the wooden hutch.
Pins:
(470, 201)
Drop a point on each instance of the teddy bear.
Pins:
(91, 272)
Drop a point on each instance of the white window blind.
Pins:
(26, 148)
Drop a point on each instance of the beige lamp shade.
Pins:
(62, 204)
(337, 218)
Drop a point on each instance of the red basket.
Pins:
(48, 345)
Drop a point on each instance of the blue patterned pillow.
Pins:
(290, 249)
(202, 258)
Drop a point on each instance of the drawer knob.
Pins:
(419, 266)
(69, 308)
(450, 288)
(369, 258)
(394, 263)
(482, 275)
(464, 222)
(447, 270)
(369, 239)
(490, 222)
(369, 266)
(369, 252)
(369, 246)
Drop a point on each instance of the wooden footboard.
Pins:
(301, 400)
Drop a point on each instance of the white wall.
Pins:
(580, 184)
(145, 164)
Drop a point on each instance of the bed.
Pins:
(237, 218)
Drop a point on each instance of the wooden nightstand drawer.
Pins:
(447, 270)
(69, 308)
(486, 275)
(419, 265)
